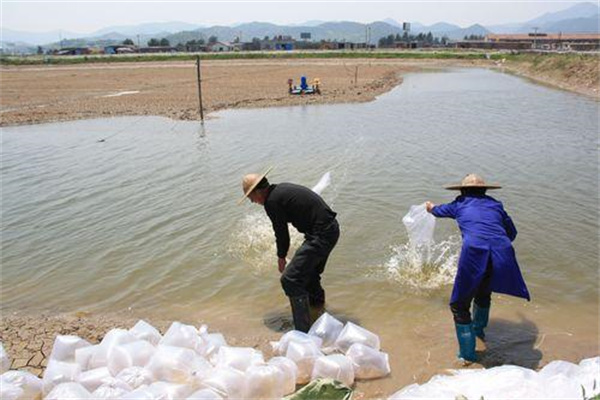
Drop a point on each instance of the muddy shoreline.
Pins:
(41, 94)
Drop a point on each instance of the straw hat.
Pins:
(250, 181)
(472, 180)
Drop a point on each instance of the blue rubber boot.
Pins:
(481, 317)
(466, 342)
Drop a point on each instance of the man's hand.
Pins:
(281, 264)
(429, 205)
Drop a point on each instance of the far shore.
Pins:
(41, 94)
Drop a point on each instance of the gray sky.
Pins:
(89, 16)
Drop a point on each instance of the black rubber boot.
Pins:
(301, 313)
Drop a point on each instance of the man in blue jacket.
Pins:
(309, 214)
(487, 260)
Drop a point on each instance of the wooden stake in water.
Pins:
(356, 76)
(199, 88)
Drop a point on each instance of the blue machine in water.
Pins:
(304, 87)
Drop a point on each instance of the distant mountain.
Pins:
(36, 38)
(576, 25)
(580, 10)
(152, 28)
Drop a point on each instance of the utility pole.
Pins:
(535, 29)
(138, 38)
(199, 88)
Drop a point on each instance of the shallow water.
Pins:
(147, 219)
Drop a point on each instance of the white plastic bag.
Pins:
(30, 384)
(144, 331)
(335, 366)
(264, 382)
(353, 333)
(181, 335)
(65, 346)
(419, 224)
(134, 354)
(4, 360)
(58, 372)
(170, 391)
(322, 184)
(103, 352)
(141, 393)
(173, 364)
(368, 362)
(239, 358)
(8, 391)
(304, 355)
(94, 378)
(205, 394)
(83, 355)
(136, 377)
(68, 391)
(111, 389)
(290, 373)
(328, 329)
(280, 348)
(227, 382)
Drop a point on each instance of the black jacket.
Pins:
(298, 205)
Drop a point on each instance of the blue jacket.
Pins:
(487, 232)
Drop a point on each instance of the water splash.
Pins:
(254, 242)
(424, 267)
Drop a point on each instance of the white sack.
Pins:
(227, 382)
(94, 378)
(322, 184)
(58, 372)
(170, 391)
(103, 352)
(304, 355)
(205, 394)
(68, 391)
(136, 377)
(8, 391)
(181, 335)
(111, 389)
(83, 355)
(175, 364)
(280, 347)
(239, 358)
(134, 354)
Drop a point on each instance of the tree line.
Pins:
(422, 38)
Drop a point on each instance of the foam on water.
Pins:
(424, 267)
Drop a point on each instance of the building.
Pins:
(222, 46)
(279, 42)
(120, 49)
(72, 51)
(542, 41)
(158, 49)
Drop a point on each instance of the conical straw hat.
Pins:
(472, 181)
(250, 181)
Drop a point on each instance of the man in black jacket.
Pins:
(309, 214)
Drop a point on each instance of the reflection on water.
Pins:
(148, 218)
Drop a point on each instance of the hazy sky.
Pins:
(89, 16)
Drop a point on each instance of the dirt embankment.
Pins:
(576, 73)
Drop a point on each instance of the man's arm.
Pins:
(280, 227)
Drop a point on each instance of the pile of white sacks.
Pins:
(557, 380)
(190, 363)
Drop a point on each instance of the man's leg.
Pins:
(481, 305)
(464, 329)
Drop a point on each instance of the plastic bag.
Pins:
(353, 333)
(68, 391)
(419, 224)
(8, 391)
(174, 364)
(170, 391)
(141, 393)
(65, 346)
(212, 342)
(30, 384)
(83, 356)
(328, 329)
(205, 394)
(130, 355)
(290, 373)
(4, 360)
(144, 331)
(111, 389)
(264, 382)
(322, 184)
(136, 377)
(94, 378)
(304, 355)
(227, 382)
(58, 372)
(181, 335)
(280, 348)
(103, 352)
(239, 358)
(368, 362)
(335, 366)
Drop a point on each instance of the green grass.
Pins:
(59, 60)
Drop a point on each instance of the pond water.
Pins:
(147, 219)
